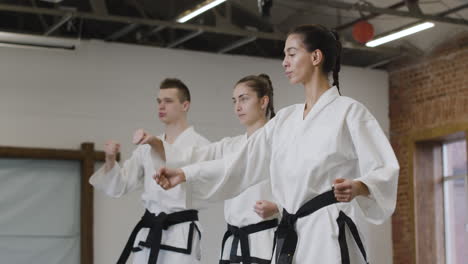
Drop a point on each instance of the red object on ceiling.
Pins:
(363, 31)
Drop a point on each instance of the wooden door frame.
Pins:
(442, 133)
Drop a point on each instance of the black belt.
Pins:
(241, 234)
(157, 224)
(286, 234)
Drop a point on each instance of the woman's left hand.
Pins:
(346, 190)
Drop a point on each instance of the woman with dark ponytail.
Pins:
(252, 216)
(330, 140)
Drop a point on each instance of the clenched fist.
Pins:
(169, 178)
(111, 148)
(346, 190)
(141, 137)
(265, 209)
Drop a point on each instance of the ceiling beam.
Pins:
(414, 50)
(382, 62)
(142, 21)
(234, 31)
(156, 30)
(185, 38)
(40, 17)
(368, 17)
(122, 32)
(228, 11)
(237, 44)
(453, 10)
(57, 25)
(367, 7)
(441, 14)
(99, 7)
(139, 7)
(254, 14)
(413, 6)
(381, 50)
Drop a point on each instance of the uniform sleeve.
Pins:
(378, 166)
(280, 210)
(182, 156)
(225, 178)
(120, 180)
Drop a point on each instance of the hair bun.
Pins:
(267, 78)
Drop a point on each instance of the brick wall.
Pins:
(426, 93)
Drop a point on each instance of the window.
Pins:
(40, 205)
(455, 188)
(30, 226)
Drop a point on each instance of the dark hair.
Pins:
(327, 41)
(183, 91)
(261, 84)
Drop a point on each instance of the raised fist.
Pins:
(111, 148)
(141, 137)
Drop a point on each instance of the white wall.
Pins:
(58, 99)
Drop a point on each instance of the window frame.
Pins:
(446, 179)
(434, 136)
(87, 157)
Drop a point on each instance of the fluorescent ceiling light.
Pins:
(399, 34)
(207, 5)
(27, 40)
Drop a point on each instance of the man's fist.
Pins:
(111, 148)
(141, 137)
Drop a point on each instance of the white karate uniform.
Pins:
(239, 210)
(138, 172)
(339, 138)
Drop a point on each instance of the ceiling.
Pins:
(236, 26)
